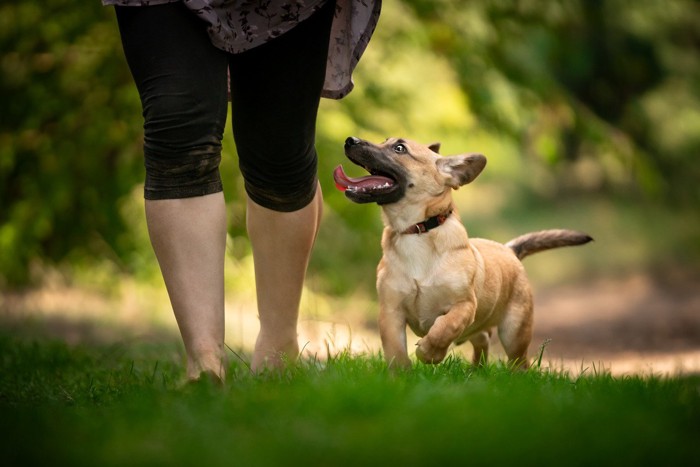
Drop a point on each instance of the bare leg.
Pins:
(282, 243)
(189, 238)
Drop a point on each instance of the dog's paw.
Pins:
(428, 353)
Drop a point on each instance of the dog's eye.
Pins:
(399, 149)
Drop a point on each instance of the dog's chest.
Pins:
(426, 280)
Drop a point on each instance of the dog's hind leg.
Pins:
(515, 332)
(481, 347)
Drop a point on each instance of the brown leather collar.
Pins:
(428, 224)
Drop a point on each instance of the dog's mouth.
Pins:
(375, 183)
(385, 182)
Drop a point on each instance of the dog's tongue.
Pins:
(370, 182)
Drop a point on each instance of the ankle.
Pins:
(274, 352)
(209, 362)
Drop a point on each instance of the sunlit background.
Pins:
(588, 113)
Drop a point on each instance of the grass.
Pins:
(63, 405)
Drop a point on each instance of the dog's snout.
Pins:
(352, 141)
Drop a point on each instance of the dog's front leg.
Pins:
(448, 327)
(392, 329)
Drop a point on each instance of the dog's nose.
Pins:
(352, 141)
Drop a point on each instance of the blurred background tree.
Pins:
(69, 136)
(588, 110)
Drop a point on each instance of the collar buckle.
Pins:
(428, 224)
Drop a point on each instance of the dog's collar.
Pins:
(428, 224)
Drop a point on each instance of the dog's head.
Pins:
(404, 170)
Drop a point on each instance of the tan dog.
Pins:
(446, 287)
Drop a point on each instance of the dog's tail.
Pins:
(534, 242)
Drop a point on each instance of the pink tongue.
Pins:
(343, 182)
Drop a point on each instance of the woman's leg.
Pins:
(181, 79)
(189, 239)
(282, 243)
(275, 91)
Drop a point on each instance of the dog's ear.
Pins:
(435, 147)
(462, 169)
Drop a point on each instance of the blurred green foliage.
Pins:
(568, 99)
(69, 135)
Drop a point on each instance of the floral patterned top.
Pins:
(239, 25)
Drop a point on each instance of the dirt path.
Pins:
(624, 326)
(635, 324)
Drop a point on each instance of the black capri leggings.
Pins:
(182, 81)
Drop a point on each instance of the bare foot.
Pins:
(271, 355)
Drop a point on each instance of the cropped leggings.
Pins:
(182, 81)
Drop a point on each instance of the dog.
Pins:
(448, 288)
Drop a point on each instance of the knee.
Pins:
(183, 175)
(177, 121)
(284, 180)
(182, 147)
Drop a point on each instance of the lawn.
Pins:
(91, 405)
